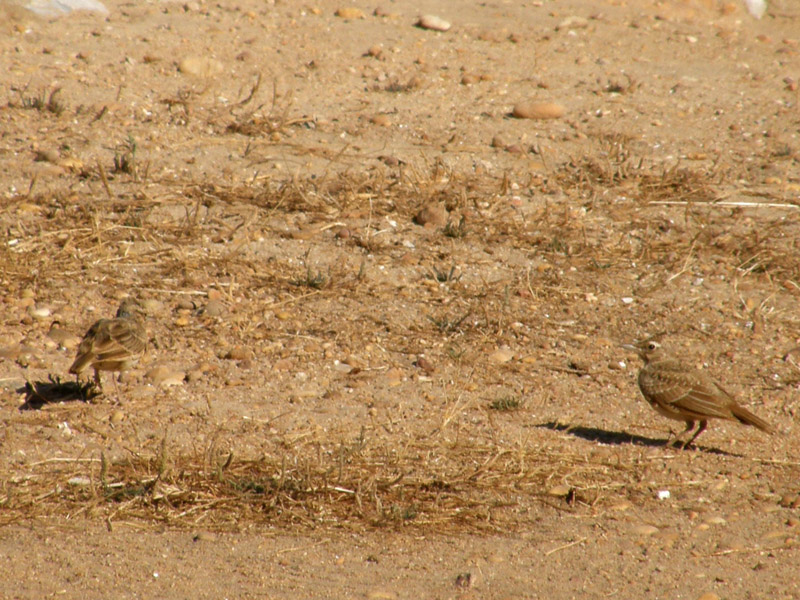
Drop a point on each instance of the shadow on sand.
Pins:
(593, 434)
(40, 393)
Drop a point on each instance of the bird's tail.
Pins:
(748, 418)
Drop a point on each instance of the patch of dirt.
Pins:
(385, 315)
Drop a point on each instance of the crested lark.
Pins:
(113, 344)
(685, 394)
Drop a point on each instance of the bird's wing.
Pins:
(121, 339)
(86, 350)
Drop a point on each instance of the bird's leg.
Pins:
(689, 427)
(97, 381)
(701, 429)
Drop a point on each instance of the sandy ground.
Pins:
(385, 314)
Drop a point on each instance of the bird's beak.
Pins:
(630, 347)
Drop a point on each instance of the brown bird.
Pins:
(113, 344)
(685, 394)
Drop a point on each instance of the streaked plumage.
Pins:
(685, 394)
(113, 344)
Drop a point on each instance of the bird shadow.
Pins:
(594, 434)
(41, 393)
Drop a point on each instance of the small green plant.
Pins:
(448, 324)
(506, 404)
(125, 157)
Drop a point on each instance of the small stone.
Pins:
(62, 337)
(239, 353)
(117, 417)
(204, 536)
(39, 312)
(498, 141)
(470, 78)
(645, 530)
(432, 214)
(708, 596)
(215, 308)
(379, 594)
(426, 365)
(559, 490)
(538, 110)
(350, 12)
(165, 377)
(375, 51)
(433, 22)
(381, 120)
(79, 481)
(200, 66)
(573, 22)
(503, 355)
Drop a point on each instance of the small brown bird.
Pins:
(113, 344)
(685, 394)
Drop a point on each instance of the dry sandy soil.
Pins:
(385, 314)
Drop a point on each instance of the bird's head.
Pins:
(649, 349)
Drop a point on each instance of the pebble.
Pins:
(432, 214)
(63, 338)
(538, 110)
(503, 355)
(708, 596)
(204, 536)
(381, 120)
(645, 529)
(239, 353)
(433, 22)
(559, 490)
(117, 417)
(165, 377)
(573, 22)
(200, 66)
(426, 365)
(498, 141)
(215, 308)
(39, 312)
(350, 12)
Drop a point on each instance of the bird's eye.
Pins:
(652, 346)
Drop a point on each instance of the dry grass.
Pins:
(370, 481)
(360, 483)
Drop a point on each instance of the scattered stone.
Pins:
(503, 355)
(573, 22)
(426, 365)
(433, 22)
(432, 214)
(538, 110)
(470, 78)
(39, 312)
(239, 353)
(708, 596)
(215, 308)
(559, 490)
(62, 337)
(375, 51)
(117, 417)
(350, 12)
(165, 377)
(645, 530)
(381, 120)
(204, 536)
(200, 66)
(498, 141)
